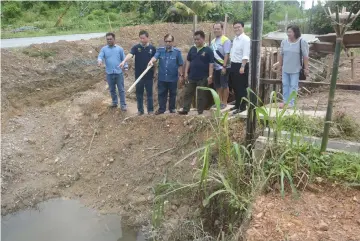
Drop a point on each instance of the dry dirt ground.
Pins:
(346, 101)
(59, 139)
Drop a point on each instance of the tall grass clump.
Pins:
(224, 182)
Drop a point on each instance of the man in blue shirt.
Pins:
(143, 53)
(114, 55)
(199, 69)
(170, 70)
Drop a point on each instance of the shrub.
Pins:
(11, 10)
(113, 16)
(98, 12)
(269, 26)
(38, 53)
(90, 17)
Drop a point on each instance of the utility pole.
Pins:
(256, 35)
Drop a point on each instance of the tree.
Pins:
(185, 10)
(320, 25)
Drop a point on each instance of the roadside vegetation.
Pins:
(32, 18)
(229, 177)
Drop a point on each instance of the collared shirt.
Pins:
(143, 55)
(240, 49)
(221, 48)
(113, 56)
(291, 55)
(169, 62)
(200, 59)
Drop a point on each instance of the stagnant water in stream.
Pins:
(64, 220)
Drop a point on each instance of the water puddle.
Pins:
(64, 220)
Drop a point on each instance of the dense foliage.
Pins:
(101, 15)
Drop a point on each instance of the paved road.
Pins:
(23, 42)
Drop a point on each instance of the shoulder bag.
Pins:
(302, 75)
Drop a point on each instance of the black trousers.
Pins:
(239, 83)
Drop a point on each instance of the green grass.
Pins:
(39, 53)
(96, 21)
(342, 126)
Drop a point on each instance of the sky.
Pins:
(309, 2)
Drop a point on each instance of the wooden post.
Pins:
(194, 23)
(274, 60)
(352, 58)
(225, 23)
(286, 22)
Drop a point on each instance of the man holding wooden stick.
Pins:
(143, 53)
(198, 71)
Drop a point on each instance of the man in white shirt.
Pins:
(239, 70)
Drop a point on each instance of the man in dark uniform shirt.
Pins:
(143, 53)
(199, 70)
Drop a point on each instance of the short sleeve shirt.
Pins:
(199, 59)
(291, 55)
(169, 62)
(143, 55)
(222, 49)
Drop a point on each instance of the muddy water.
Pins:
(64, 220)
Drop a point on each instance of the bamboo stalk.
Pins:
(329, 110)
(352, 65)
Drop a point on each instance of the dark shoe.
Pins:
(182, 112)
(233, 108)
(236, 112)
(158, 112)
(200, 112)
(222, 106)
(140, 113)
(172, 111)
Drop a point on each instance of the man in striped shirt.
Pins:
(221, 47)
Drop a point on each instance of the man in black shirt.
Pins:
(198, 71)
(143, 53)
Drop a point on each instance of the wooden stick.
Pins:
(352, 66)
(162, 152)
(111, 29)
(138, 79)
(317, 61)
(225, 23)
(92, 139)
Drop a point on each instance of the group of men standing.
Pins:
(223, 64)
